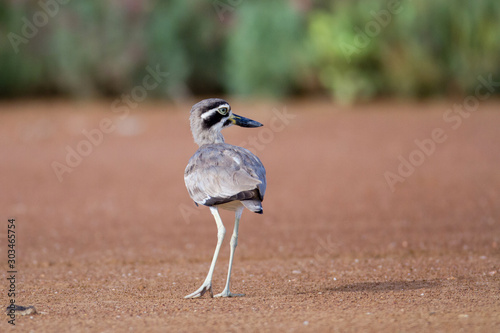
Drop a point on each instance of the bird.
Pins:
(220, 175)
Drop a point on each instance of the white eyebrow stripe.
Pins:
(212, 111)
(208, 113)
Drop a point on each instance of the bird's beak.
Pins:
(243, 122)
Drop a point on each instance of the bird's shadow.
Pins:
(387, 286)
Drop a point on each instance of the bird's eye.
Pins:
(223, 111)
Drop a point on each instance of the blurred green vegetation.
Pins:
(353, 50)
(416, 49)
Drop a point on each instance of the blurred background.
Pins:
(363, 197)
(351, 50)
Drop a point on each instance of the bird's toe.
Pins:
(201, 291)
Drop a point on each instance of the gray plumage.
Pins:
(220, 173)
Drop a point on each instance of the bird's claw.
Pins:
(201, 291)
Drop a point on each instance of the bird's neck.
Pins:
(209, 137)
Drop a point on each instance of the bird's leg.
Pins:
(207, 284)
(233, 243)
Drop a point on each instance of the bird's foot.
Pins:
(201, 291)
(227, 293)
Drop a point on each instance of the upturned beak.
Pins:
(243, 122)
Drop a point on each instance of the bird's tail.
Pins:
(253, 205)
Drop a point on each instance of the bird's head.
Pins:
(210, 116)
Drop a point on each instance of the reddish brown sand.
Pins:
(117, 244)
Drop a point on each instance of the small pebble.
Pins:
(306, 323)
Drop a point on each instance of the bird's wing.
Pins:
(221, 173)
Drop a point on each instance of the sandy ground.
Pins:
(115, 242)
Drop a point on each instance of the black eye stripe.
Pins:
(212, 120)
